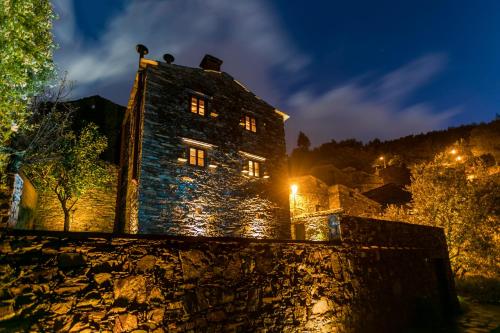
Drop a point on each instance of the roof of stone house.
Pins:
(309, 181)
(389, 194)
(217, 80)
(108, 117)
(355, 193)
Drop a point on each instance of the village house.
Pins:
(201, 155)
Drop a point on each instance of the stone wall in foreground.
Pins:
(78, 282)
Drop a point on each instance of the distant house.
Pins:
(201, 155)
(312, 201)
(389, 194)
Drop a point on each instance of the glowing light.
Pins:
(213, 166)
(182, 160)
(282, 114)
(294, 189)
(381, 158)
(453, 151)
(459, 158)
(266, 176)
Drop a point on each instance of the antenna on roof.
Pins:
(168, 58)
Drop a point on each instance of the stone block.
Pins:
(130, 289)
(70, 260)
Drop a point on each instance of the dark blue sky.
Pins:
(341, 69)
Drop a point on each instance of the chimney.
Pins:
(210, 62)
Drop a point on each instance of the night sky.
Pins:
(340, 69)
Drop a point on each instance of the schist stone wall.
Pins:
(369, 282)
(94, 211)
(220, 199)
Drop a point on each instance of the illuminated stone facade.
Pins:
(207, 156)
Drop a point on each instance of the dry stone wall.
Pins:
(54, 281)
(94, 211)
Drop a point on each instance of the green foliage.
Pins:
(481, 288)
(26, 47)
(456, 192)
(78, 169)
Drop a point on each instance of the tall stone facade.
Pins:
(201, 155)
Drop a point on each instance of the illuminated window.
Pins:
(198, 105)
(197, 157)
(253, 168)
(250, 124)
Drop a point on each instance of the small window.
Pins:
(197, 157)
(253, 168)
(198, 105)
(250, 124)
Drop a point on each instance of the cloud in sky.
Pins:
(248, 37)
(245, 34)
(367, 110)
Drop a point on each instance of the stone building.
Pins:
(313, 202)
(201, 155)
(22, 206)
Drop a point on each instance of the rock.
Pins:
(156, 295)
(216, 316)
(7, 312)
(146, 263)
(70, 260)
(193, 264)
(322, 306)
(78, 327)
(130, 289)
(102, 279)
(92, 299)
(159, 330)
(63, 323)
(71, 289)
(61, 308)
(124, 323)
(156, 315)
(97, 316)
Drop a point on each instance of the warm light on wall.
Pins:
(294, 189)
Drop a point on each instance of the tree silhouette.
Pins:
(303, 141)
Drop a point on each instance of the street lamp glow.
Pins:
(381, 158)
(459, 158)
(453, 151)
(294, 189)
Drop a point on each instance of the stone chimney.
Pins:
(210, 62)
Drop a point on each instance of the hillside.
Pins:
(482, 138)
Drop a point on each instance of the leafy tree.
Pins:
(303, 141)
(456, 192)
(48, 123)
(26, 47)
(78, 169)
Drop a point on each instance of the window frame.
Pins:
(198, 98)
(250, 123)
(197, 151)
(254, 168)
